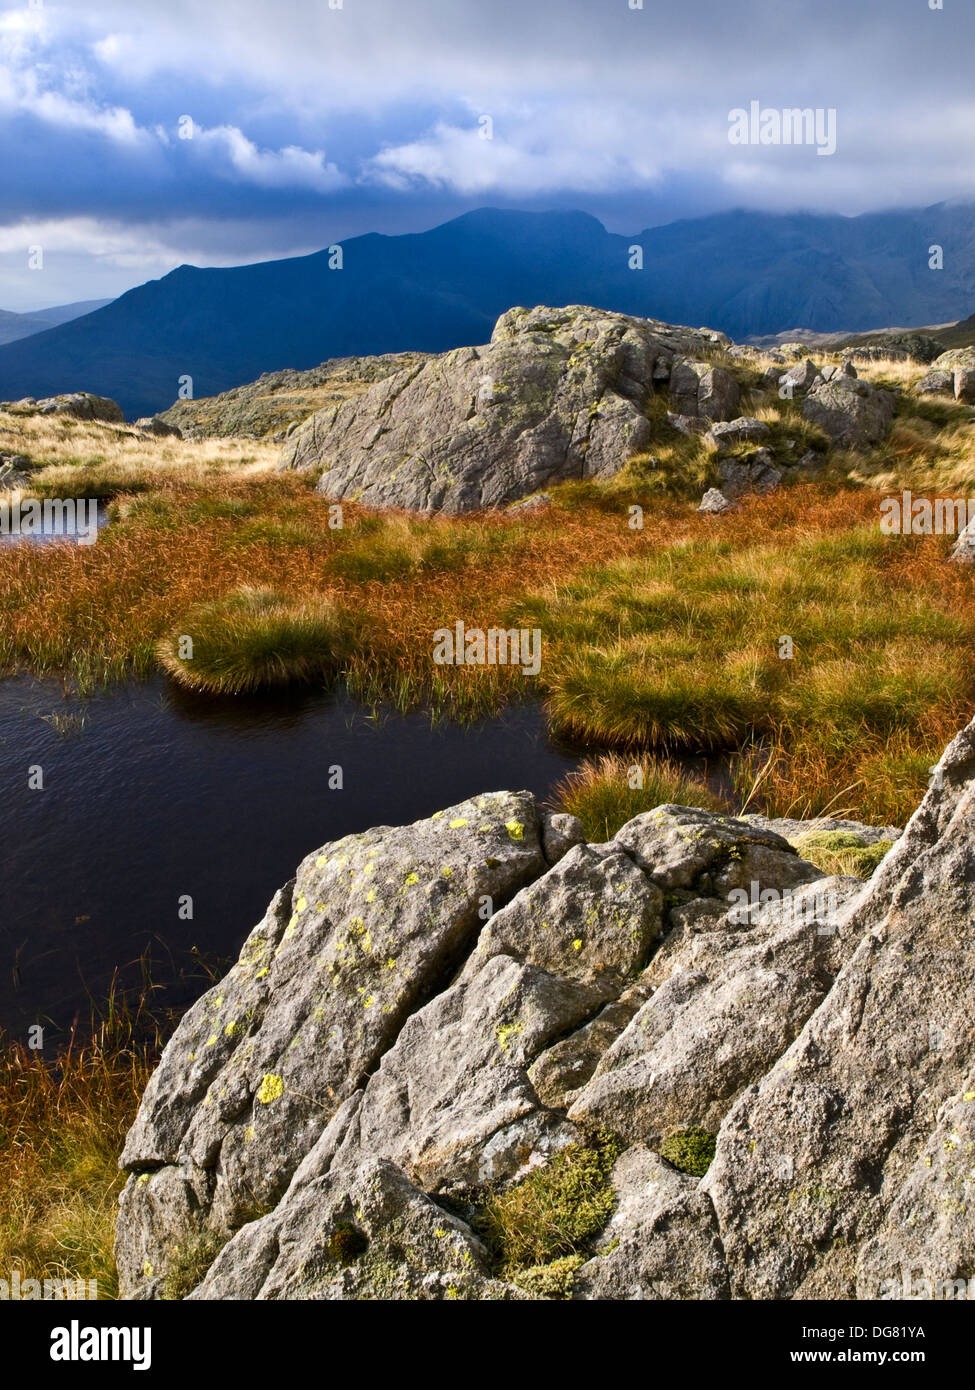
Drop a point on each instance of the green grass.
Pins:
(842, 852)
(254, 639)
(600, 793)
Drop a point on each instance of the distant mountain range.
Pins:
(746, 273)
(16, 326)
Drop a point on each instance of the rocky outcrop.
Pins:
(277, 402)
(82, 406)
(847, 1171)
(438, 1011)
(700, 391)
(557, 394)
(854, 414)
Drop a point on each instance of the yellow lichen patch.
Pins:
(321, 861)
(369, 1000)
(447, 871)
(261, 973)
(577, 944)
(218, 1002)
(272, 1088)
(301, 904)
(515, 829)
(506, 1032)
(390, 963)
(969, 1095)
(458, 824)
(147, 1269)
(371, 895)
(142, 1179)
(411, 880)
(248, 1134)
(211, 1040)
(436, 815)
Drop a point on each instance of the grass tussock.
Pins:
(842, 852)
(606, 792)
(253, 639)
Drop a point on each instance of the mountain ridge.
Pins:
(742, 273)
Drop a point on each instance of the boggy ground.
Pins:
(660, 640)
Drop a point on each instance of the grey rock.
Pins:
(698, 390)
(662, 1242)
(853, 413)
(800, 378)
(321, 990)
(687, 424)
(833, 370)
(560, 833)
(14, 472)
(737, 431)
(755, 472)
(964, 384)
(719, 1021)
(715, 502)
(813, 1160)
(963, 552)
(363, 1236)
(156, 425)
(83, 406)
(791, 829)
(557, 394)
(936, 384)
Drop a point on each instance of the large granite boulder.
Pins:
(557, 394)
(432, 1014)
(854, 414)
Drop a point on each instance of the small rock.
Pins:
(964, 551)
(800, 377)
(714, 502)
(735, 431)
(540, 502)
(936, 384)
(152, 424)
(964, 385)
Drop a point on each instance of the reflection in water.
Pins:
(149, 795)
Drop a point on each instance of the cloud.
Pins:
(313, 121)
(232, 154)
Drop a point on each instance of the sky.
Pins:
(138, 135)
